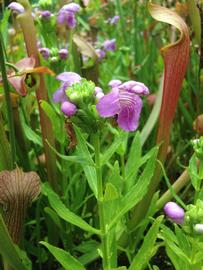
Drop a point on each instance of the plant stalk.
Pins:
(104, 234)
(8, 104)
(28, 28)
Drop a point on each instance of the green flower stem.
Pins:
(182, 181)
(122, 20)
(29, 32)
(104, 233)
(5, 151)
(70, 49)
(8, 104)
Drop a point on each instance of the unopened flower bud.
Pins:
(68, 108)
(174, 212)
(63, 54)
(198, 228)
(45, 52)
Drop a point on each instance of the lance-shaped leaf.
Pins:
(17, 191)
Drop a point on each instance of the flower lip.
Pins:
(14, 6)
(174, 212)
(135, 87)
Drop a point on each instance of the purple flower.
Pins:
(68, 108)
(101, 54)
(109, 45)
(63, 54)
(46, 14)
(45, 52)
(14, 6)
(67, 79)
(113, 20)
(66, 15)
(174, 212)
(123, 102)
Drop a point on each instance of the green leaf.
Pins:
(31, 135)
(115, 178)
(193, 172)
(55, 120)
(64, 212)
(112, 149)
(9, 251)
(133, 161)
(110, 202)
(75, 159)
(64, 257)
(139, 190)
(147, 249)
(89, 171)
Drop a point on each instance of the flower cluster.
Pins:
(123, 102)
(66, 15)
(67, 79)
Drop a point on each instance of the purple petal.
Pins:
(109, 45)
(70, 20)
(101, 54)
(60, 95)
(114, 83)
(128, 85)
(72, 7)
(109, 104)
(69, 77)
(135, 87)
(128, 117)
(68, 108)
(140, 89)
(16, 7)
(99, 95)
(97, 90)
(174, 212)
(113, 20)
(46, 14)
(61, 18)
